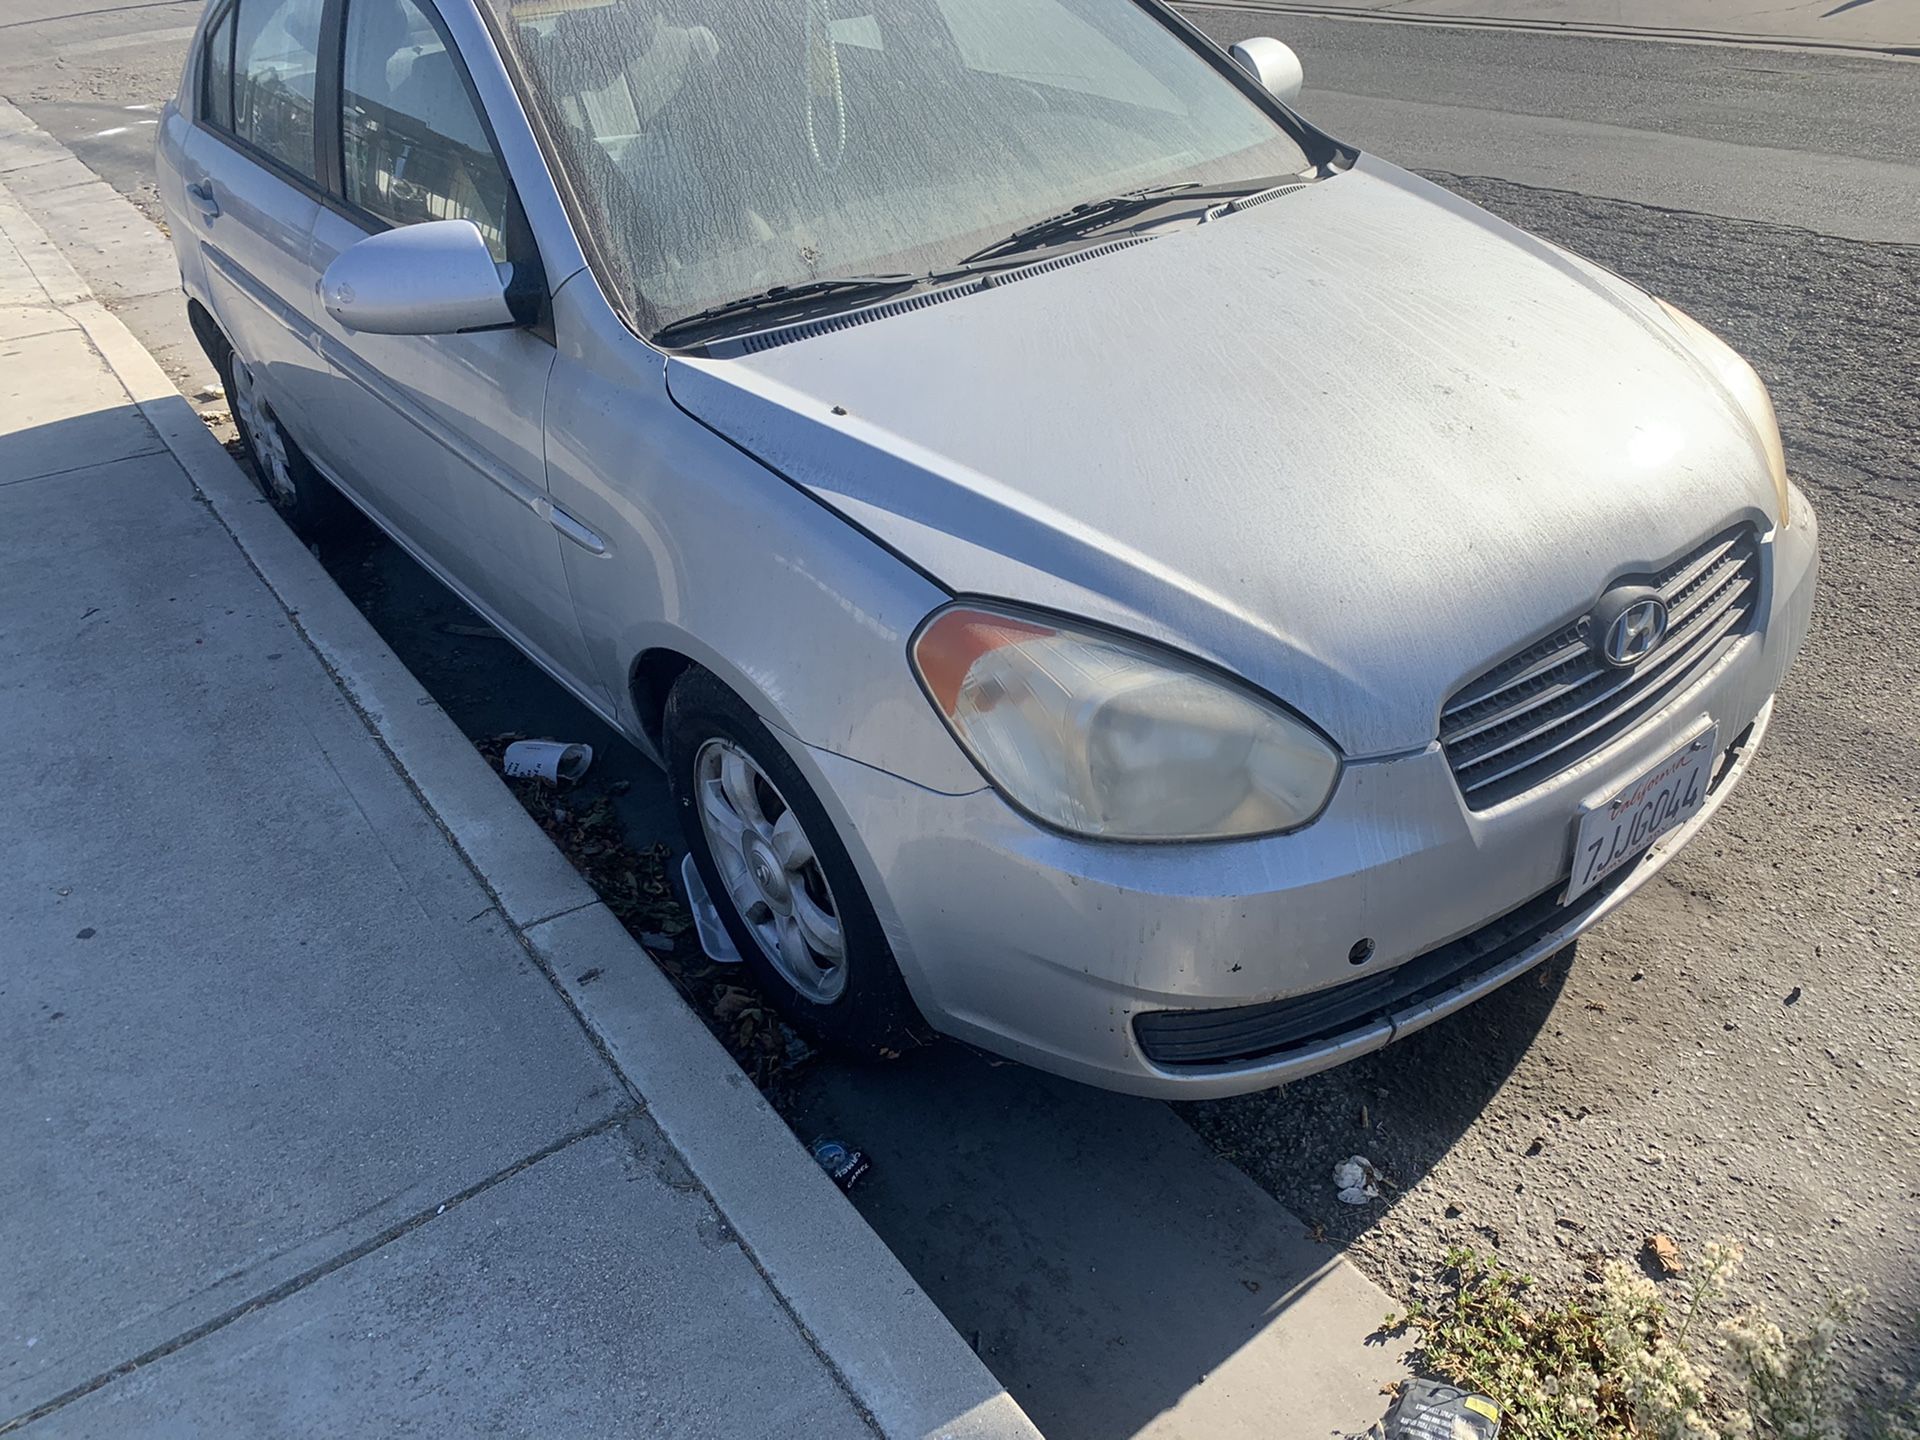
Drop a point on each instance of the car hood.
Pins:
(1355, 443)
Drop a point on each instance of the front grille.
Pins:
(1557, 702)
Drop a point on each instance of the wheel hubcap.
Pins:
(264, 441)
(768, 866)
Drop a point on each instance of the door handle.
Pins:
(200, 192)
(575, 531)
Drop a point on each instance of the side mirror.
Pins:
(433, 278)
(1273, 64)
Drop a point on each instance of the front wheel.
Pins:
(781, 879)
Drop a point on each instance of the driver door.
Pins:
(442, 435)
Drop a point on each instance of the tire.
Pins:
(719, 754)
(312, 508)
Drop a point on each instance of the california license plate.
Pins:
(1619, 831)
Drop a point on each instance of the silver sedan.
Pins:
(1111, 572)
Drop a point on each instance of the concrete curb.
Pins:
(1588, 29)
(896, 1354)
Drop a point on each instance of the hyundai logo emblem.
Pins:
(1629, 626)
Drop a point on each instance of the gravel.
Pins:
(1734, 1054)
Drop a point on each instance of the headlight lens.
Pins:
(1747, 388)
(1116, 740)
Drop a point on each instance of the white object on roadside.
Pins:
(546, 760)
(1356, 1180)
(706, 918)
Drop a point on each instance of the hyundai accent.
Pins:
(1111, 572)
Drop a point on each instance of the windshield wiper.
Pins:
(1091, 214)
(789, 297)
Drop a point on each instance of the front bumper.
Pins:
(1049, 949)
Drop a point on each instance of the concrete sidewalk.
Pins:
(303, 1132)
(1887, 26)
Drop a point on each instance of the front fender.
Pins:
(716, 557)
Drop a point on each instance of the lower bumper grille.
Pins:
(1557, 702)
(1262, 1032)
(1245, 1033)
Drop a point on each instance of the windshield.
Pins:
(727, 146)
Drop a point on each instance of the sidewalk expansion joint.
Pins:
(586, 904)
(297, 1283)
(158, 449)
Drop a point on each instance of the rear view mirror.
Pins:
(1273, 64)
(434, 278)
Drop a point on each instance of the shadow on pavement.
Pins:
(1111, 1271)
(1116, 1274)
(1403, 1108)
(297, 1137)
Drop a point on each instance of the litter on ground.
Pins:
(1356, 1180)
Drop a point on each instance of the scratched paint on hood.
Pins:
(1354, 444)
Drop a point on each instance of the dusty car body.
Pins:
(1182, 653)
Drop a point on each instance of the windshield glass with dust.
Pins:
(726, 146)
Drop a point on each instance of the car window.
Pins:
(412, 144)
(216, 103)
(722, 147)
(276, 48)
(1044, 42)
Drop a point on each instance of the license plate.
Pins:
(1617, 832)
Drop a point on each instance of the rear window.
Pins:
(216, 74)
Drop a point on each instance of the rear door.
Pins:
(441, 434)
(249, 167)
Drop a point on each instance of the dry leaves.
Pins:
(1665, 1254)
(634, 884)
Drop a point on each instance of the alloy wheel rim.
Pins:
(264, 441)
(770, 870)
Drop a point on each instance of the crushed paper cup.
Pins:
(546, 760)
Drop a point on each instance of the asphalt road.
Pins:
(1827, 143)
(1735, 1054)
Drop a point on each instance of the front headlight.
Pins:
(1748, 390)
(1116, 740)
